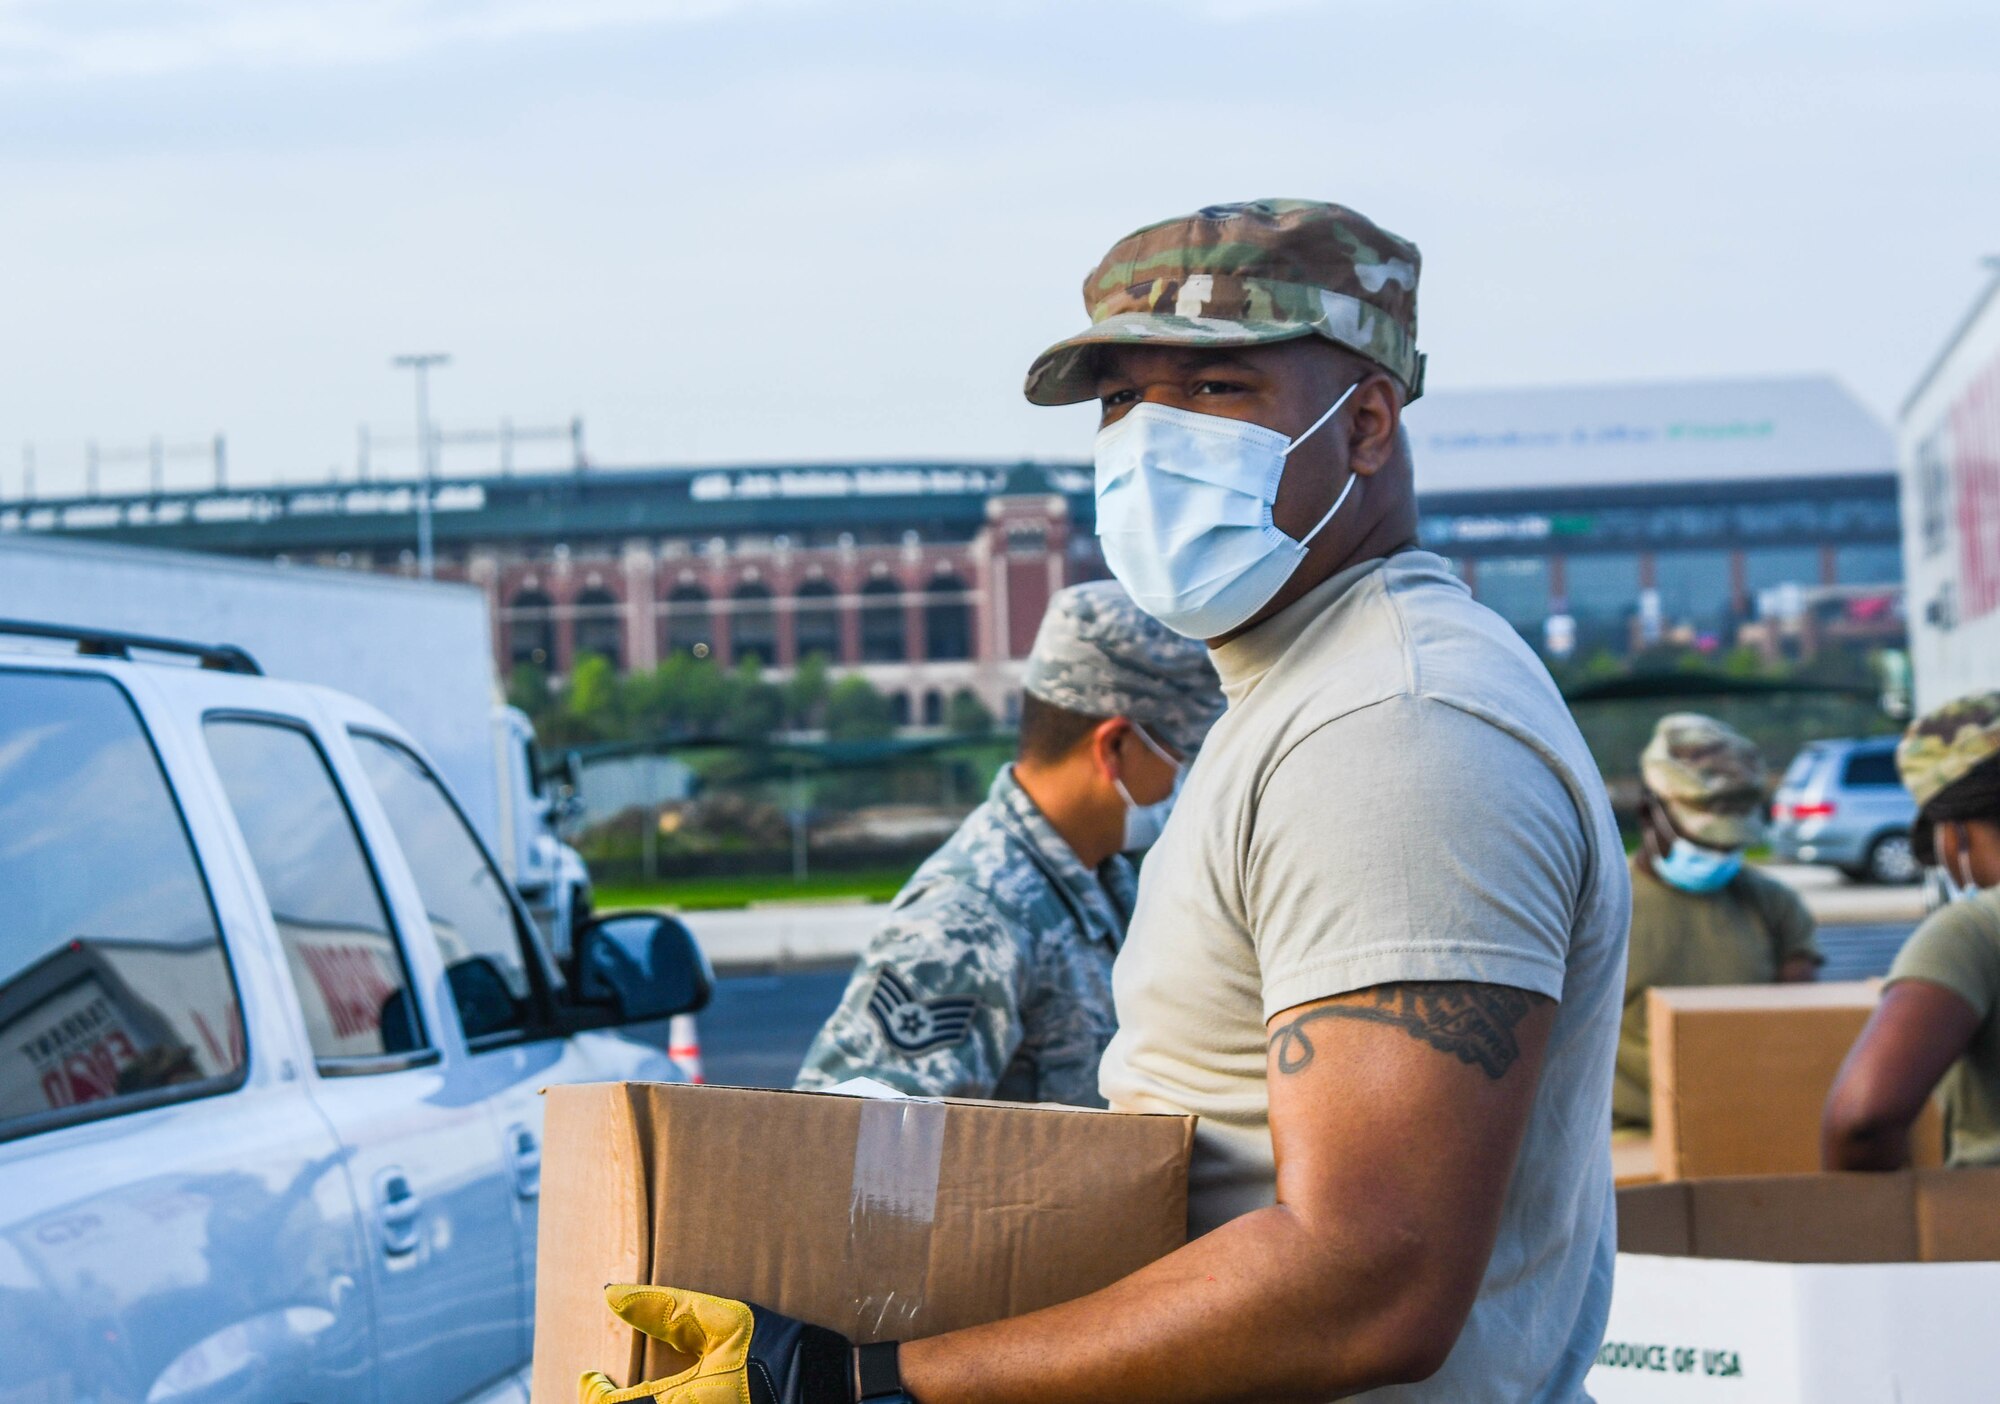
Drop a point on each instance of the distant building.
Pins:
(1680, 511)
(1592, 517)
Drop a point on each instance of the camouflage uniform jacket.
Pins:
(992, 975)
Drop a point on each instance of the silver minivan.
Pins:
(1841, 804)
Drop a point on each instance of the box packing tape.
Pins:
(897, 1156)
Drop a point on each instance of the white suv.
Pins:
(272, 1027)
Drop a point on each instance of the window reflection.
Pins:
(1770, 572)
(687, 624)
(600, 627)
(1602, 592)
(947, 619)
(346, 964)
(1868, 565)
(1695, 590)
(882, 636)
(1770, 566)
(113, 979)
(1517, 589)
(753, 629)
(816, 625)
(470, 911)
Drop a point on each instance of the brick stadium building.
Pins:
(927, 578)
(1596, 517)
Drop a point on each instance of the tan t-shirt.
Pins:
(1396, 792)
(1958, 946)
(1740, 935)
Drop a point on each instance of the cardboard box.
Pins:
(1810, 1289)
(883, 1219)
(1741, 1073)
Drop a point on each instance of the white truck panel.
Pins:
(420, 651)
(1949, 450)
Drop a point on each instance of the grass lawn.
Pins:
(708, 894)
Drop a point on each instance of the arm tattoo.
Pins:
(1471, 1021)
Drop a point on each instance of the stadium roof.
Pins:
(1648, 433)
(1582, 444)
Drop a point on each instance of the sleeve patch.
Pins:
(915, 1025)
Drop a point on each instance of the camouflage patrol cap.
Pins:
(1241, 275)
(1099, 655)
(1709, 776)
(1947, 743)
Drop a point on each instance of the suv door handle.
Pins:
(525, 1151)
(397, 1209)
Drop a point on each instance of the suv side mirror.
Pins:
(644, 965)
(479, 990)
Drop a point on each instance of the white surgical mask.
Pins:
(1184, 513)
(1144, 823)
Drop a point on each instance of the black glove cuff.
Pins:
(878, 1373)
(793, 1363)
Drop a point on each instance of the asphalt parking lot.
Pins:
(764, 1016)
(756, 1032)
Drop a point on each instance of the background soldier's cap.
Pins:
(1710, 777)
(1241, 275)
(1099, 655)
(1947, 743)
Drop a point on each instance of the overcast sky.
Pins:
(726, 230)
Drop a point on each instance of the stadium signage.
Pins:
(760, 485)
(1597, 436)
(1520, 526)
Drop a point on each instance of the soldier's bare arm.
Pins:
(1914, 1036)
(1396, 1115)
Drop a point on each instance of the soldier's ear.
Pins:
(1104, 742)
(1949, 839)
(1377, 420)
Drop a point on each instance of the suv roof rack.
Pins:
(115, 643)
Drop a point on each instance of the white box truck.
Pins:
(420, 651)
(1949, 450)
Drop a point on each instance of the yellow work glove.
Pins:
(743, 1354)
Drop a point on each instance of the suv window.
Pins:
(1871, 768)
(1801, 768)
(470, 909)
(115, 991)
(346, 963)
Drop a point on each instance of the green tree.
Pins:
(966, 715)
(856, 711)
(593, 694)
(754, 708)
(1743, 661)
(528, 688)
(702, 697)
(645, 711)
(806, 690)
(684, 696)
(1602, 666)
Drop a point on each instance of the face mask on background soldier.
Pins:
(1144, 823)
(1692, 868)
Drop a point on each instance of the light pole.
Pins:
(421, 363)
